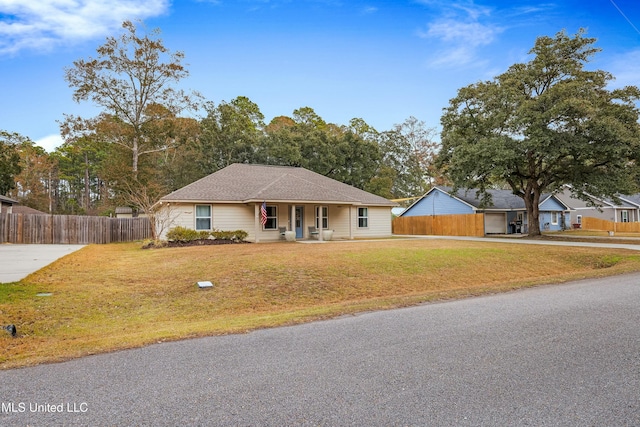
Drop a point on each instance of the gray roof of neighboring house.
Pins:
(627, 201)
(500, 199)
(633, 198)
(7, 200)
(19, 209)
(244, 183)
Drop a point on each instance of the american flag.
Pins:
(263, 213)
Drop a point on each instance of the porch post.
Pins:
(256, 221)
(320, 216)
(292, 218)
(351, 222)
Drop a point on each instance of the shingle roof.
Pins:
(500, 199)
(633, 198)
(244, 183)
(7, 200)
(19, 209)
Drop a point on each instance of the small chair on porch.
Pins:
(282, 230)
(313, 232)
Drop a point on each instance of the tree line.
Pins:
(539, 126)
(152, 138)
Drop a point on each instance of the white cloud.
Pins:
(49, 143)
(626, 69)
(460, 41)
(473, 34)
(459, 30)
(43, 24)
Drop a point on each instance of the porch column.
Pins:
(256, 221)
(320, 216)
(292, 218)
(351, 222)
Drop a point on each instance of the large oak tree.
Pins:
(543, 124)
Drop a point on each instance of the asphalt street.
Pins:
(561, 355)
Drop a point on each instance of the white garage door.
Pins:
(495, 223)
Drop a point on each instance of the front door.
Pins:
(299, 222)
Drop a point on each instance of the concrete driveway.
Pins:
(18, 261)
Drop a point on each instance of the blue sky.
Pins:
(380, 60)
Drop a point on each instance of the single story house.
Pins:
(626, 210)
(6, 204)
(507, 213)
(266, 201)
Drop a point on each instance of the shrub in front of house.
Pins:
(183, 234)
(237, 235)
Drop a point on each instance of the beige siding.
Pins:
(379, 223)
(270, 235)
(245, 217)
(175, 215)
(339, 221)
(225, 217)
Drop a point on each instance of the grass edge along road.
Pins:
(111, 297)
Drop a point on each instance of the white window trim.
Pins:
(554, 218)
(624, 216)
(365, 217)
(274, 216)
(209, 217)
(320, 209)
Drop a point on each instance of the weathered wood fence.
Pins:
(440, 225)
(589, 223)
(71, 229)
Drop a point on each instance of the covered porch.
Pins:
(309, 221)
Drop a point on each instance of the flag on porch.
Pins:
(263, 213)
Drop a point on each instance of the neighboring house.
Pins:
(19, 209)
(128, 212)
(506, 214)
(6, 204)
(124, 212)
(295, 199)
(627, 210)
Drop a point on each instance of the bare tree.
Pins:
(133, 79)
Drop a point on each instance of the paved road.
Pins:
(18, 261)
(562, 355)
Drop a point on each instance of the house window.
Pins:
(579, 219)
(624, 216)
(325, 217)
(203, 217)
(272, 218)
(554, 218)
(363, 217)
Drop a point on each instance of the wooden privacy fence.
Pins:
(589, 223)
(440, 225)
(71, 229)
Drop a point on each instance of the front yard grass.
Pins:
(111, 297)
